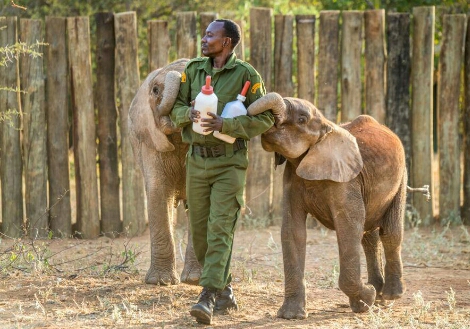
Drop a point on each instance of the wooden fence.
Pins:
(368, 62)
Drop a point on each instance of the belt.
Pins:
(218, 150)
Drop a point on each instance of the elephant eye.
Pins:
(302, 120)
(155, 90)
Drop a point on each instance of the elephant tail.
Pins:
(424, 190)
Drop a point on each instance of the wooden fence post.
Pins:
(305, 57)
(158, 43)
(466, 121)
(10, 148)
(127, 75)
(422, 109)
(448, 107)
(34, 131)
(84, 141)
(57, 113)
(398, 79)
(328, 63)
(260, 169)
(186, 34)
(283, 52)
(375, 73)
(107, 117)
(351, 85)
(261, 43)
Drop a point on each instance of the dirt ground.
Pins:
(97, 287)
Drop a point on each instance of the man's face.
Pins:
(212, 43)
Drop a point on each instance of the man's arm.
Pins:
(181, 110)
(245, 126)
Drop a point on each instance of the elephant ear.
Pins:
(141, 120)
(335, 157)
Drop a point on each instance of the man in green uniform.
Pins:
(215, 170)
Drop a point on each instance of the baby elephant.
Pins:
(352, 178)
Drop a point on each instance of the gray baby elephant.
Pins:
(160, 153)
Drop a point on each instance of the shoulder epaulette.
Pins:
(195, 60)
(250, 68)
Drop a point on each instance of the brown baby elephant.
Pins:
(351, 178)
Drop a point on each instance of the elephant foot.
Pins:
(366, 299)
(191, 273)
(393, 289)
(292, 309)
(378, 285)
(161, 277)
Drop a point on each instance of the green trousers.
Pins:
(214, 188)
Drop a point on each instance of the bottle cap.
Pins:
(207, 88)
(245, 88)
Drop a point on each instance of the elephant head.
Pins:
(149, 120)
(325, 150)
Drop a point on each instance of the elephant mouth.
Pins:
(268, 140)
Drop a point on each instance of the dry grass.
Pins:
(103, 289)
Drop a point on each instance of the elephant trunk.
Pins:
(271, 101)
(172, 85)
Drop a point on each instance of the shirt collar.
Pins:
(207, 65)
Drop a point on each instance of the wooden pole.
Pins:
(398, 80)
(261, 43)
(448, 107)
(375, 76)
(107, 118)
(88, 220)
(159, 44)
(128, 82)
(422, 68)
(34, 131)
(260, 169)
(283, 52)
(11, 170)
(328, 63)
(305, 57)
(351, 85)
(186, 35)
(57, 91)
(466, 137)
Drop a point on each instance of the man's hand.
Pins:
(214, 123)
(193, 114)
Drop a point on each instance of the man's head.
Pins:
(222, 35)
(232, 31)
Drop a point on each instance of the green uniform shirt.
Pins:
(227, 83)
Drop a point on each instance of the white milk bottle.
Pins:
(233, 109)
(206, 101)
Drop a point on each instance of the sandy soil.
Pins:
(101, 290)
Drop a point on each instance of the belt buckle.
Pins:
(215, 151)
(204, 152)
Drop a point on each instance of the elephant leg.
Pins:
(192, 269)
(391, 235)
(293, 237)
(159, 202)
(349, 231)
(373, 251)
